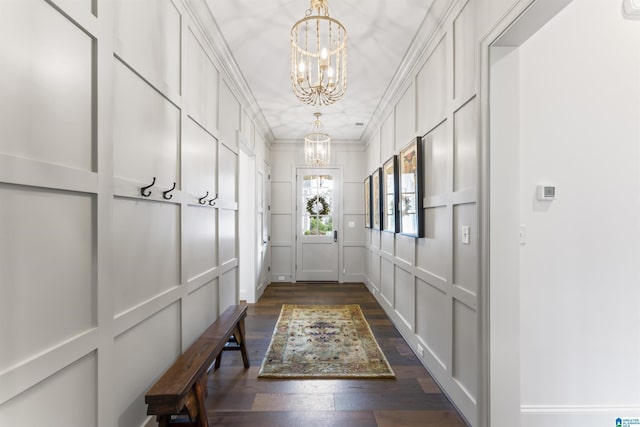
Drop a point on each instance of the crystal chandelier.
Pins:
(318, 57)
(317, 145)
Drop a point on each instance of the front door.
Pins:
(318, 213)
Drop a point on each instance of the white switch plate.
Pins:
(466, 238)
(523, 234)
(352, 224)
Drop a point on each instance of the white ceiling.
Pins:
(379, 33)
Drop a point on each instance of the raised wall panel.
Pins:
(248, 129)
(355, 233)
(464, 48)
(465, 257)
(227, 187)
(387, 133)
(281, 197)
(387, 281)
(431, 89)
(146, 250)
(388, 243)
(354, 258)
(46, 86)
(146, 130)
(281, 229)
(200, 157)
(374, 272)
(436, 156)
(405, 296)
(47, 272)
(405, 118)
(142, 354)
(147, 36)
(227, 235)
(354, 167)
(200, 240)
(353, 197)
(281, 166)
(465, 348)
(465, 146)
(433, 250)
(229, 117)
(281, 261)
(200, 309)
(201, 85)
(432, 320)
(228, 289)
(77, 383)
(406, 248)
(375, 239)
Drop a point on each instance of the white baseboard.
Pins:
(579, 416)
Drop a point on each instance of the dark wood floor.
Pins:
(238, 398)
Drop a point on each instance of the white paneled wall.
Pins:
(103, 286)
(429, 285)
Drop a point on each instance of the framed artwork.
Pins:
(410, 174)
(376, 199)
(390, 195)
(367, 202)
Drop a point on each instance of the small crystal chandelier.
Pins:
(317, 145)
(318, 57)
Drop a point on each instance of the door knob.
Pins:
(335, 235)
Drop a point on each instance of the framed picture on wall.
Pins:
(390, 195)
(410, 173)
(376, 199)
(367, 202)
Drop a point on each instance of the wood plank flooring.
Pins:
(238, 398)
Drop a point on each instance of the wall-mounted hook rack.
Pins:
(202, 200)
(213, 201)
(166, 194)
(143, 190)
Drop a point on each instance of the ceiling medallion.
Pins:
(318, 57)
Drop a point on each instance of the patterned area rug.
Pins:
(324, 341)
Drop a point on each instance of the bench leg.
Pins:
(239, 334)
(163, 420)
(203, 420)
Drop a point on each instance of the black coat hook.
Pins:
(213, 201)
(143, 190)
(202, 200)
(166, 195)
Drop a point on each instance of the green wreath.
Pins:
(311, 204)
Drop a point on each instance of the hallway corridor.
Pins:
(239, 398)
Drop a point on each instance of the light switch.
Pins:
(465, 234)
(352, 224)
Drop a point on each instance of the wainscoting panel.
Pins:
(281, 197)
(35, 272)
(199, 310)
(142, 354)
(374, 272)
(437, 152)
(77, 383)
(387, 282)
(432, 251)
(465, 51)
(146, 250)
(405, 118)
(405, 305)
(406, 249)
(47, 67)
(282, 233)
(146, 130)
(431, 314)
(150, 46)
(386, 137)
(465, 147)
(354, 261)
(431, 89)
(229, 117)
(465, 349)
(355, 234)
(200, 153)
(227, 177)
(200, 240)
(353, 197)
(228, 290)
(201, 85)
(388, 243)
(465, 269)
(226, 235)
(281, 268)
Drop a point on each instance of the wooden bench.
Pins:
(182, 389)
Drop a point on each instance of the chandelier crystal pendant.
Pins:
(318, 57)
(317, 145)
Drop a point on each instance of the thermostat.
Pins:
(631, 8)
(546, 192)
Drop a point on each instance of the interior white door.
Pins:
(317, 225)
